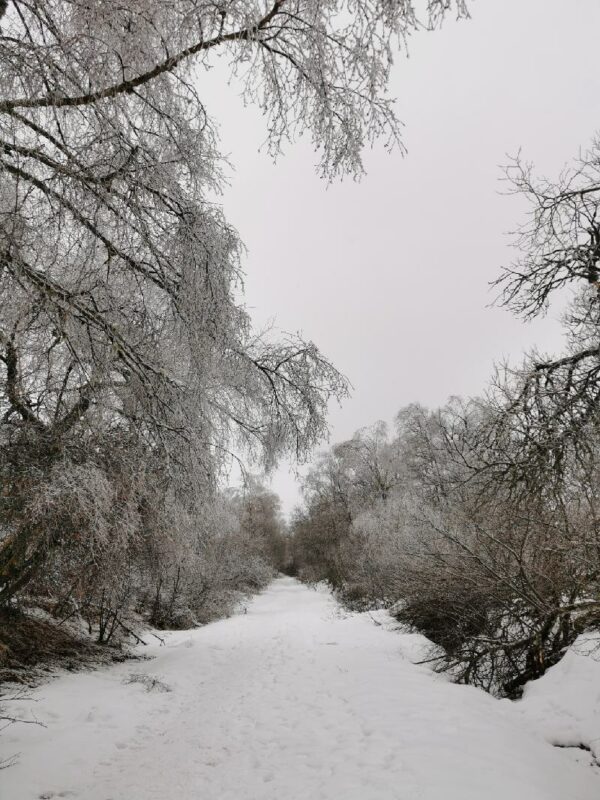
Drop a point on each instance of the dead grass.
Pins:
(31, 647)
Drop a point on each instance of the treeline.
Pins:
(121, 553)
(101, 547)
(479, 523)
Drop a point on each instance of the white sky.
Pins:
(390, 276)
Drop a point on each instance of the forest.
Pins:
(142, 411)
(132, 378)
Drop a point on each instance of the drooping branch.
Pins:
(247, 33)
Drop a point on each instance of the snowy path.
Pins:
(291, 701)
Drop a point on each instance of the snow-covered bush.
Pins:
(100, 535)
(209, 568)
(500, 573)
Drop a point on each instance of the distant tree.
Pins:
(261, 522)
(344, 482)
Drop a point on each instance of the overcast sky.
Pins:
(390, 276)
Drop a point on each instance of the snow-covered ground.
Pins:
(291, 701)
(564, 705)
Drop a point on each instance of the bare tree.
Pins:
(554, 400)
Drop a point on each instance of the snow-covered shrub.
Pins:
(96, 532)
(499, 569)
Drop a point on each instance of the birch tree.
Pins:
(121, 329)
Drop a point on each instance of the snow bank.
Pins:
(564, 705)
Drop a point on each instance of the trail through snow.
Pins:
(292, 700)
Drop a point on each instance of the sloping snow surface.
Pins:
(291, 701)
(564, 704)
